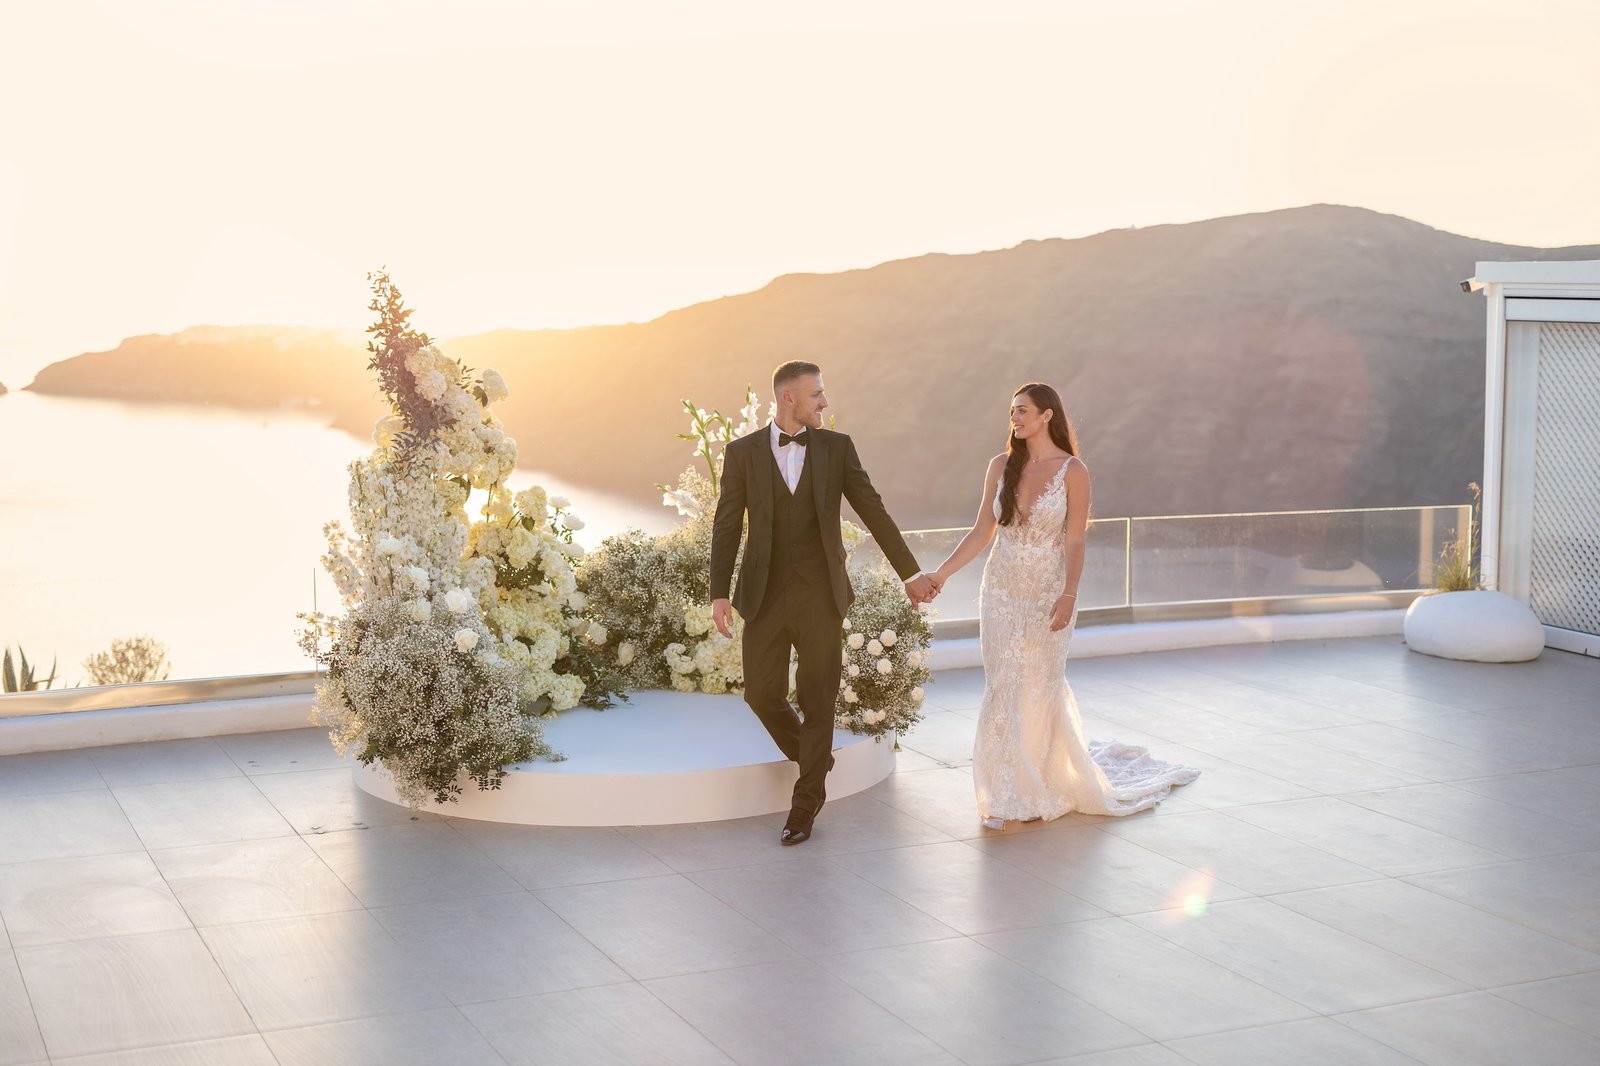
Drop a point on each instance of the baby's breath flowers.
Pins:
(455, 632)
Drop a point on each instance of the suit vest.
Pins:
(796, 530)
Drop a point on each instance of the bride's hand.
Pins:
(1061, 613)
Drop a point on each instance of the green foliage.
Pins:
(640, 587)
(393, 342)
(129, 661)
(1458, 567)
(20, 676)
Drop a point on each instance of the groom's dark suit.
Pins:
(793, 590)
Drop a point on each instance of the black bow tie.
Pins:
(802, 438)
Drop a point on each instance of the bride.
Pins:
(1030, 759)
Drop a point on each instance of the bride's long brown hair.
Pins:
(1061, 433)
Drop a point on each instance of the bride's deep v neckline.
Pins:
(1057, 480)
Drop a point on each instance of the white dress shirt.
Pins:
(791, 459)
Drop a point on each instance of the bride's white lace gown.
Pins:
(1030, 759)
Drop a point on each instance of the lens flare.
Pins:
(1192, 896)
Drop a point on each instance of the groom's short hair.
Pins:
(789, 371)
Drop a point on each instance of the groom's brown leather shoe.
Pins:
(797, 830)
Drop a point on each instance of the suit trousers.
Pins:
(799, 613)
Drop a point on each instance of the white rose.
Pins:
(885, 666)
(854, 670)
(847, 625)
(559, 502)
(917, 695)
(459, 601)
(578, 601)
(850, 695)
(599, 634)
(572, 522)
(625, 653)
(466, 639)
(418, 576)
(874, 648)
(888, 638)
(856, 640)
(914, 659)
(390, 545)
(419, 610)
(844, 658)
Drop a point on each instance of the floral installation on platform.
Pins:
(456, 634)
(650, 593)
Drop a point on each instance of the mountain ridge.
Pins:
(1319, 356)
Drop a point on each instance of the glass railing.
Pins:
(232, 613)
(1193, 559)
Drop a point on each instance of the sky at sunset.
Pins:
(531, 164)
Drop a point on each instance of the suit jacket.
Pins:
(750, 482)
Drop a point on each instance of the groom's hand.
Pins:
(921, 589)
(722, 617)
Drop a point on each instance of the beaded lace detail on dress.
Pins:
(1030, 759)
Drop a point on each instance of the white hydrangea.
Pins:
(494, 386)
(386, 429)
(431, 385)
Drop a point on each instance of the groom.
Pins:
(793, 590)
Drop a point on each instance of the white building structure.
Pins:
(1541, 464)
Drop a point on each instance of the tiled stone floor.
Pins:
(1389, 859)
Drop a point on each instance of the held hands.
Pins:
(920, 589)
(923, 588)
(722, 617)
(1061, 612)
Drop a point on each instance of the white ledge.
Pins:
(126, 725)
(1135, 637)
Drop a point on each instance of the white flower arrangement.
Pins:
(883, 676)
(453, 637)
(654, 591)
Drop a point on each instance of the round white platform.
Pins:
(661, 758)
